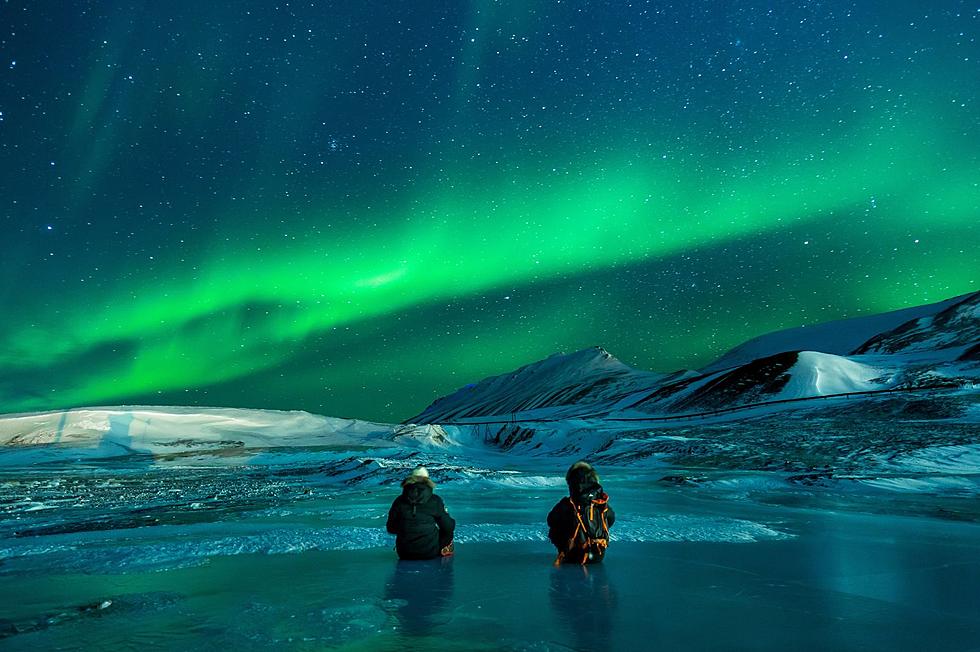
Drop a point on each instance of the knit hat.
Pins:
(419, 475)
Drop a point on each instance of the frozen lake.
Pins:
(249, 558)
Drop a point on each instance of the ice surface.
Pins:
(294, 559)
(264, 529)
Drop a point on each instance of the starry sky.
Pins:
(355, 207)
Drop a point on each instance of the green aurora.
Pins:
(317, 208)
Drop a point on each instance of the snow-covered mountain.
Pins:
(926, 346)
(590, 379)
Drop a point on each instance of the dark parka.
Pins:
(586, 497)
(419, 520)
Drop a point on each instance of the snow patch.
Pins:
(954, 460)
(529, 481)
(925, 485)
(692, 528)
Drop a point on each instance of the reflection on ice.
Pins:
(585, 602)
(419, 593)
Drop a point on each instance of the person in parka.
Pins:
(418, 518)
(578, 525)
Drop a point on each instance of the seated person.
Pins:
(418, 518)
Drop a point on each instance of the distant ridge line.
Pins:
(693, 415)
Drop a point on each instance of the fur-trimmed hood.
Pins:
(418, 479)
(417, 489)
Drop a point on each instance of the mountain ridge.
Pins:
(924, 346)
(591, 375)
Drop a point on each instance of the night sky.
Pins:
(355, 207)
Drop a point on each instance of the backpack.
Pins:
(590, 539)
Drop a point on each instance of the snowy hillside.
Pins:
(839, 337)
(780, 377)
(122, 431)
(956, 325)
